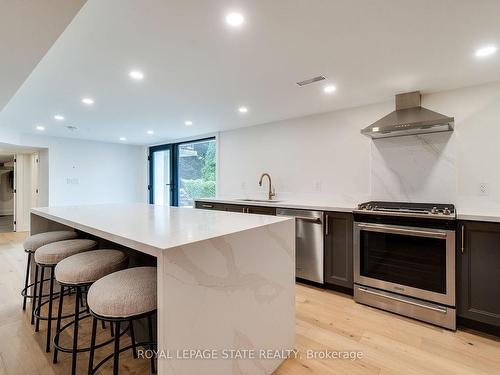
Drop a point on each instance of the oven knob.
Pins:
(446, 211)
(361, 206)
(434, 210)
(368, 206)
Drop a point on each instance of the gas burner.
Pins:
(428, 210)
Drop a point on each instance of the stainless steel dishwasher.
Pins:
(308, 243)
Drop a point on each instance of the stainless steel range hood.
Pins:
(409, 118)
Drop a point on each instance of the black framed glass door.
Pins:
(161, 182)
(182, 172)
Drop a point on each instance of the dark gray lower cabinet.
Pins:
(338, 249)
(478, 272)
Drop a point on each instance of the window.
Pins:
(196, 171)
(182, 172)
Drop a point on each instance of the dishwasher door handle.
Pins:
(314, 220)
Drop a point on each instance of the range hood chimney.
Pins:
(409, 118)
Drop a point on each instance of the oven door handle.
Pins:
(404, 231)
(403, 300)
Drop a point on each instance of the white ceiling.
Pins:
(199, 69)
(27, 30)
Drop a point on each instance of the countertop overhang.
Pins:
(154, 228)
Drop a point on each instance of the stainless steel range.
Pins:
(404, 259)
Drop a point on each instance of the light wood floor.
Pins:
(325, 320)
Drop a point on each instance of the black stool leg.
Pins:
(49, 316)
(33, 300)
(58, 325)
(116, 359)
(75, 331)
(111, 329)
(27, 279)
(150, 332)
(92, 345)
(40, 294)
(132, 337)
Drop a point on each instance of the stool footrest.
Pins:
(145, 343)
(85, 349)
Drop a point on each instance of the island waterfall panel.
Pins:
(232, 296)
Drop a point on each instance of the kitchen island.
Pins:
(225, 280)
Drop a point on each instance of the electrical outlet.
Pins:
(72, 181)
(483, 189)
(318, 185)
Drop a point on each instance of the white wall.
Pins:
(324, 157)
(73, 171)
(86, 172)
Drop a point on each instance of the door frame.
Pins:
(174, 163)
(151, 185)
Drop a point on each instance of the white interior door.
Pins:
(35, 163)
(15, 193)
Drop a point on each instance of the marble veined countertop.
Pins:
(152, 226)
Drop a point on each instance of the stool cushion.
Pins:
(54, 252)
(32, 243)
(90, 266)
(124, 293)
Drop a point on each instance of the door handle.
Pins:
(403, 231)
(327, 230)
(463, 237)
(403, 300)
(315, 220)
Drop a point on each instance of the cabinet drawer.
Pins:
(210, 206)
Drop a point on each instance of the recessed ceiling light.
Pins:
(123, 139)
(329, 89)
(486, 51)
(188, 123)
(59, 117)
(88, 101)
(150, 132)
(235, 19)
(137, 75)
(243, 109)
(40, 127)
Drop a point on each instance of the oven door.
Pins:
(417, 262)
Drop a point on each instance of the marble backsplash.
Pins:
(420, 168)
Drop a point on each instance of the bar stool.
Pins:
(48, 256)
(31, 244)
(79, 272)
(123, 296)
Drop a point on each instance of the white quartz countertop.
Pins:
(305, 205)
(153, 228)
(493, 217)
(462, 214)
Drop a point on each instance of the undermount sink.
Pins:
(258, 200)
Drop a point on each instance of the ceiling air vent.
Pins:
(311, 80)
